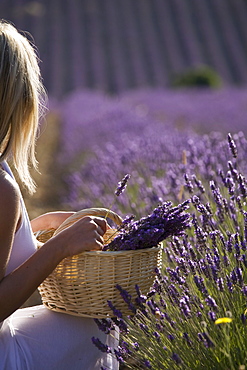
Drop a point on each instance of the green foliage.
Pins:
(202, 76)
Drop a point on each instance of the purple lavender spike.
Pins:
(232, 145)
(101, 346)
(122, 185)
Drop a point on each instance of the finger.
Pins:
(98, 246)
(101, 241)
(98, 243)
(101, 223)
(98, 230)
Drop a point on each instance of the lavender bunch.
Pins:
(149, 231)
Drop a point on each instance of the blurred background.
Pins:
(114, 45)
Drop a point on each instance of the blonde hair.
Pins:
(21, 101)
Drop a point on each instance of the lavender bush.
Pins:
(195, 315)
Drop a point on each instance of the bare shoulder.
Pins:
(8, 187)
(9, 197)
(9, 216)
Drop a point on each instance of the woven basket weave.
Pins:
(82, 284)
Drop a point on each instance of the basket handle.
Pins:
(98, 212)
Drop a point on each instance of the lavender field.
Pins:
(155, 135)
(183, 146)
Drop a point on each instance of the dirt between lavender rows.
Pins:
(46, 197)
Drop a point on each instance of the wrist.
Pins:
(56, 249)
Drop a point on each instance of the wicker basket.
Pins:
(82, 284)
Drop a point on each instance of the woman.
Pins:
(35, 337)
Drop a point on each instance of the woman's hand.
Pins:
(50, 220)
(84, 235)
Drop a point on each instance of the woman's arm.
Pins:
(15, 288)
(50, 220)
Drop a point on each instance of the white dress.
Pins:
(36, 338)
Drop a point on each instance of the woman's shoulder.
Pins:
(9, 191)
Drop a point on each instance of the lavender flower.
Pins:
(122, 185)
(116, 312)
(101, 346)
(176, 358)
(232, 145)
(220, 284)
(151, 230)
(208, 342)
(119, 355)
(157, 336)
(147, 364)
(199, 184)
(242, 185)
(243, 318)
(244, 290)
(211, 302)
(189, 184)
(140, 299)
(200, 284)
(185, 307)
(121, 324)
(136, 346)
(233, 170)
(127, 298)
(187, 338)
(212, 315)
(104, 325)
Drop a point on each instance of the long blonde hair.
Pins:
(21, 101)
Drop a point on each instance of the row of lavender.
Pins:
(116, 45)
(195, 315)
(119, 44)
